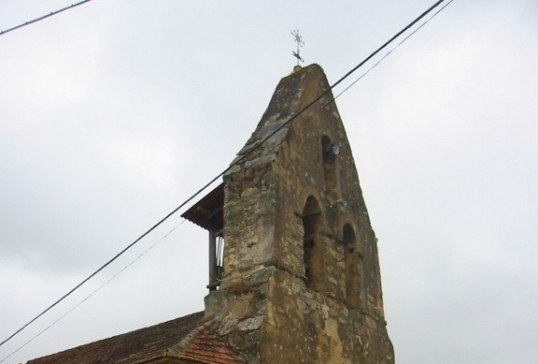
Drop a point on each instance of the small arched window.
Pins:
(352, 273)
(312, 245)
(329, 151)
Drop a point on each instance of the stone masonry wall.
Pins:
(266, 306)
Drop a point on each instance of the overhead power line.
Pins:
(2, 32)
(390, 52)
(239, 160)
(94, 291)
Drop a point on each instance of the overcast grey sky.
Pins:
(112, 113)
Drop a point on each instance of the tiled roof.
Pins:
(183, 338)
(208, 349)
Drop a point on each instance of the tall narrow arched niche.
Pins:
(312, 245)
(352, 269)
(329, 151)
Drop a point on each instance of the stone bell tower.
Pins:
(300, 279)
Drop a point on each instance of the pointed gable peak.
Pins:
(289, 104)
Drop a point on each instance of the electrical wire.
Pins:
(94, 292)
(2, 32)
(389, 52)
(239, 160)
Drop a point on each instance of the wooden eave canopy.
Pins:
(209, 210)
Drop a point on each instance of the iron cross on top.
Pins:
(299, 40)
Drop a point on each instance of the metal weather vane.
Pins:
(299, 40)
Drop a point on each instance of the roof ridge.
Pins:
(187, 340)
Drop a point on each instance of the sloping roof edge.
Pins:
(203, 212)
(138, 346)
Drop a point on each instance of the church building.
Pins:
(294, 274)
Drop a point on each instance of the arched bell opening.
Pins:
(312, 245)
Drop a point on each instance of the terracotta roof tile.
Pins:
(133, 347)
(208, 349)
